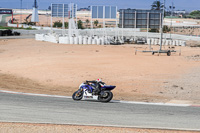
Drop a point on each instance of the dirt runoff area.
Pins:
(58, 69)
(50, 128)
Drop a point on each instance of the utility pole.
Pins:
(21, 12)
(47, 17)
(162, 24)
(172, 11)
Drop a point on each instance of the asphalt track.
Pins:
(18, 37)
(40, 109)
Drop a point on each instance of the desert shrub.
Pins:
(60, 24)
(166, 29)
(57, 24)
(154, 30)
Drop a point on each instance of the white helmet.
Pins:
(98, 80)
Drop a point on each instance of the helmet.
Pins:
(98, 80)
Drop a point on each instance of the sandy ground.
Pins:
(186, 31)
(49, 128)
(41, 67)
(27, 65)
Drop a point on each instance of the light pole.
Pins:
(47, 17)
(172, 11)
(21, 12)
(162, 24)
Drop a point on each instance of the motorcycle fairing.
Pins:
(108, 87)
(88, 96)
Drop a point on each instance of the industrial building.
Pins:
(138, 18)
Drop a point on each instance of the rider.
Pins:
(97, 85)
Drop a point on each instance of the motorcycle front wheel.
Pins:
(78, 95)
(106, 97)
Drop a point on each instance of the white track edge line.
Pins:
(33, 94)
(114, 101)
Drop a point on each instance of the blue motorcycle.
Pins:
(86, 92)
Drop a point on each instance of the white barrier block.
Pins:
(51, 38)
(174, 43)
(149, 41)
(98, 41)
(71, 40)
(80, 40)
(89, 40)
(75, 40)
(166, 41)
(96, 37)
(94, 41)
(39, 37)
(155, 41)
(159, 41)
(177, 42)
(170, 42)
(102, 41)
(163, 41)
(152, 41)
(64, 40)
(85, 40)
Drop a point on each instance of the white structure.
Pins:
(72, 26)
(35, 17)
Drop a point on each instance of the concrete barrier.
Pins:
(98, 41)
(102, 41)
(80, 40)
(51, 38)
(76, 40)
(64, 40)
(89, 40)
(85, 40)
(94, 41)
(71, 40)
(174, 42)
(149, 41)
(39, 37)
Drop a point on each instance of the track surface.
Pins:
(37, 109)
(18, 37)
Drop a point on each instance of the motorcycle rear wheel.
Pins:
(78, 95)
(106, 97)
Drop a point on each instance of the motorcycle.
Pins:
(86, 92)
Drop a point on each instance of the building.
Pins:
(3, 12)
(178, 12)
(83, 9)
(138, 18)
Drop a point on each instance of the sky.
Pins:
(188, 5)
